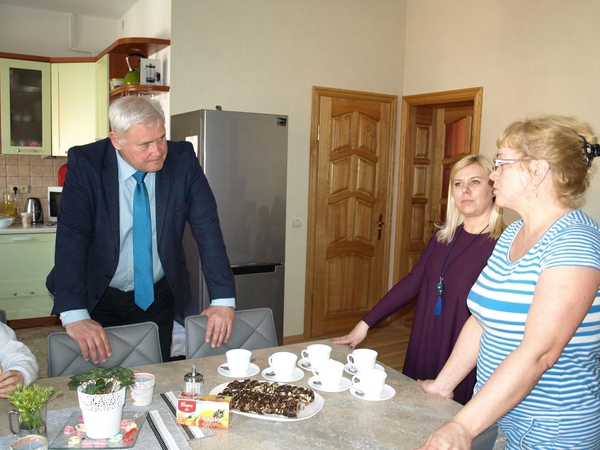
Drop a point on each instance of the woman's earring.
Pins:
(535, 191)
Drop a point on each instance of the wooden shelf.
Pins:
(137, 89)
(147, 46)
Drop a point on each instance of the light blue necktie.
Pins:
(142, 245)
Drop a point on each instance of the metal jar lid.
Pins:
(193, 377)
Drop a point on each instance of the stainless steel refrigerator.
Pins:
(244, 157)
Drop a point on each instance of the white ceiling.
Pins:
(108, 9)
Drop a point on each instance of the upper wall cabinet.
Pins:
(73, 106)
(25, 107)
(79, 104)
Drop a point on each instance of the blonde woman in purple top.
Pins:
(442, 278)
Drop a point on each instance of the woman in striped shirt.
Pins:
(534, 333)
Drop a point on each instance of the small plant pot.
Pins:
(102, 413)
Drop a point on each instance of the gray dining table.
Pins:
(344, 421)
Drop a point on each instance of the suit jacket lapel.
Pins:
(110, 177)
(163, 183)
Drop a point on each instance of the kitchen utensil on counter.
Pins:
(6, 221)
(34, 205)
(26, 219)
(133, 76)
(9, 204)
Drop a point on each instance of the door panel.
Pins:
(438, 130)
(350, 227)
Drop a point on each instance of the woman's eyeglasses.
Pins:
(501, 162)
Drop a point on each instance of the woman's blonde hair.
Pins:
(557, 140)
(454, 217)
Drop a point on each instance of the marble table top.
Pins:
(345, 421)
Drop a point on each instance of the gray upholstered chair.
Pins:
(132, 345)
(486, 440)
(2, 316)
(252, 329)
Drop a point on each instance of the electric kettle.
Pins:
(133, 76)
(34, 205)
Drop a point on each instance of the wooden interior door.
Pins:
(438, 129)
(349, 223)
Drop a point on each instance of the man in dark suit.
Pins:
(94, 278)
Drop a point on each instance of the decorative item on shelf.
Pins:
(150, 71)
(116, 82)
(101, 393)
(30, 402)
(133, 75)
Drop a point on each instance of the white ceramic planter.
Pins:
(102, 413)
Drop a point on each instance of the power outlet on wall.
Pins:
(24, 189)
(14, 189)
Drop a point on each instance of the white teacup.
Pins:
(329, 373)
(283, 364)
(362, 359)
(372, 382)
(315, 354)
(238, 361)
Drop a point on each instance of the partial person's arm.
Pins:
(400, 295)
(73, 238)
(462, 361)
(204, 224)
(88, 334)
(563, 297)
(19, 365)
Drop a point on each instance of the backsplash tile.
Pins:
(38, 172)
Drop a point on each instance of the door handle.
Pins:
(379, 226)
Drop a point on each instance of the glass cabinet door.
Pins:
(25, 107)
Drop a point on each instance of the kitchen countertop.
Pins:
(17, 228)
(345, 421)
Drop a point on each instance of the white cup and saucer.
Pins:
(282, 368)
(361, 359)
(370, 385)
(313, 355)
(238, 364)
(329, 377)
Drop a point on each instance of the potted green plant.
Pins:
(30, 402)
(101, 393)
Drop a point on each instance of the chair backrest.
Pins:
(2, 316)
(252, 329)
(132, 345)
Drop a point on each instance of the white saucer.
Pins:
(305, 364)
(343, 386)
(349, 368)
(297, 375)
(388, 392)
(253, 369)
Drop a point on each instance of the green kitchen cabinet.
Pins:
(27, 259)
(25, 111)
(79, 104)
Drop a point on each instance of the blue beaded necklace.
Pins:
(437, 311)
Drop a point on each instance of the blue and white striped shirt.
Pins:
(500, 301)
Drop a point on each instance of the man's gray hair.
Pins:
(126, 112)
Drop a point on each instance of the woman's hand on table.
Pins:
(450, 436)
(355, 337)
(9, 381)
(431, 387)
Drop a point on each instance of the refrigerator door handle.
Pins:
(254, 268)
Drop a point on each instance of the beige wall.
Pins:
(265, 56)
(531, 57)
